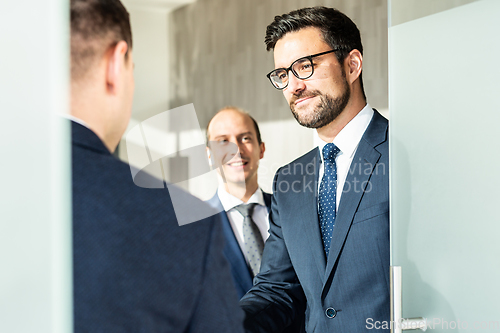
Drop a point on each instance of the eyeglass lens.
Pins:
(301, 68)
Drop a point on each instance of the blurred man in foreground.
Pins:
(135, 268)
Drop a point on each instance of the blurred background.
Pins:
(211, 53)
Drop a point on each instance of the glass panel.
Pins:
(444, 140)
(35, 199)
(401, 11)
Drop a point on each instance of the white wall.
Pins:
(151, 59)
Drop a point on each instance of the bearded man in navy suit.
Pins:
(235, 147)
(135, 268)
(328, 251)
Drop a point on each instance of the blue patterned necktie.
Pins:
(327, 195)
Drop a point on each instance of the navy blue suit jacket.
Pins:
(341, 292)
(242, 275)
(135, 269)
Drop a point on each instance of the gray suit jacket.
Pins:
(341, 292)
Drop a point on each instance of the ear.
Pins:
(262, 150)
(209, 156)
(354, 65)
(115, 66)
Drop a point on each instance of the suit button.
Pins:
(331, 313)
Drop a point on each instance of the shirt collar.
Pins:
(348, 138)
(229, 201)
(76, 120)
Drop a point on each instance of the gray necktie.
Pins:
(254, 244)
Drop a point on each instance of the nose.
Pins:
(234, 148)
(294, 84)
(241, 147)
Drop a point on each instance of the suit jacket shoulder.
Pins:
(135, 268)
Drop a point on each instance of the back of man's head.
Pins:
(102, 80)
(96, 25)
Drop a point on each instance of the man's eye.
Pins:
(306, 66)
(282, 76)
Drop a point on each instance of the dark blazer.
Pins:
(340, 293)
(242, 274)
(135, 269)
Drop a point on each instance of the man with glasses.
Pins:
(328, 250)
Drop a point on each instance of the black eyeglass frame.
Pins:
(310, 57)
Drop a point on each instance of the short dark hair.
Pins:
(230, 107)
(95, 26)
(337, 30)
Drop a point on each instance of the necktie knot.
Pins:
(246, 209)
(330, 151)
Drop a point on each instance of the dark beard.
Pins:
(328, 109)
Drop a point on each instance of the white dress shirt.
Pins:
(76, 120)
(260, 214)
(347, 141)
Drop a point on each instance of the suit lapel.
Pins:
(310, 212)
(232, 251)
(360, 171)
(267, 200)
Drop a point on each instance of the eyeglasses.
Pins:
(302, 68)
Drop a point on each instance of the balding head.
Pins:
(238, 110)
(235, 148)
